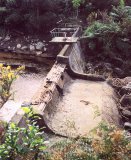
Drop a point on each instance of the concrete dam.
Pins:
(71, 102)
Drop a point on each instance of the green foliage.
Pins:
(100, 29)
(107, 33)
(122, 3)
(7, 76)
(77, 3)
(22, 142)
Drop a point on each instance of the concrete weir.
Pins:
(73, 106)
(70, 101)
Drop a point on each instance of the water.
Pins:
(76, 58)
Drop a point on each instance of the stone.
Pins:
(119, 72)
(126, 89)
(7, 38)
(127, 80)
(127, 125)
(107, 65)
(126, 113)
(1, 38)
(38, 53)
(10, 48)
(45, 49)
(26, 104)
(24, 48)
(39, 45)
(32, 48)
(13, 48)
(125, 100)
(99, 66)
(18, 46)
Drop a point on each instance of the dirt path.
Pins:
(82, 107)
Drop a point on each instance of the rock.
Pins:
(99, 66)
(10, 48)
(39, 45)
(26, 104)
(38, 53)
(7, 38)
(32, 48)
(127, 80)
(18, 46)
(119, 72)
(45, 49)
(1, 38)
(24, 48)
(107, 65)
(115, 82)
(126, 100)
(126, 113)
(89, 65)
(127, 125)
(90, 68)
(126, 89)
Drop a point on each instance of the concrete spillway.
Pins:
(82, 107)
(70, 101)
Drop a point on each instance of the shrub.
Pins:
(104, 143)
(7, 76)
(22, 143)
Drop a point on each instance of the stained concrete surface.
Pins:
(84, 105)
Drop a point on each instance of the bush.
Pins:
(104, 143)
(7, 76)
(22, 143)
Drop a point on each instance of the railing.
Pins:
(64, 32)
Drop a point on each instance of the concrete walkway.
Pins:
(84, 105)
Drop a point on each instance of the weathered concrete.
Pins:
(84, 105)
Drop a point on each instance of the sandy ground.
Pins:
(82, 108)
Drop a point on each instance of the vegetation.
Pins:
(7, 76)
(108, 35)
(104, 143)
(22, 143)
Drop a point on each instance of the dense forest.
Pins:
(37, 15)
